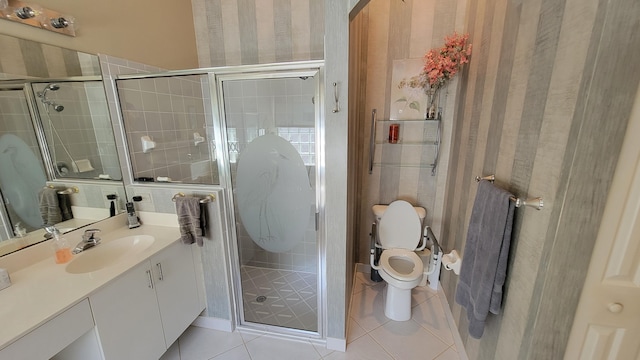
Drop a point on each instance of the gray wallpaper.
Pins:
(544, 106)
(22, 58)
(258, 32)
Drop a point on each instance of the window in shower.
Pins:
(272, 149)
(168, 126)
(303, 140)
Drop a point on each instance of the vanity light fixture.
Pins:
(25, 12)
(37, 16)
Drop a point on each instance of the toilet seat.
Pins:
(399, 270)
(399, 227)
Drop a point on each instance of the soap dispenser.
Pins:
(113, 208)
(60, 246)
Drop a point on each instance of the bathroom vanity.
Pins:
(129, 297)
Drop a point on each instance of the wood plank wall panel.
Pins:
(543, 105)
(244, 32)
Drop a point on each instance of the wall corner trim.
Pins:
(337, 344)
(213, 323)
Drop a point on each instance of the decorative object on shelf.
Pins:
(406, 102)
(440, 65)
(37, 16)
(394, 130)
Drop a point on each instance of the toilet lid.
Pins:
(401, 264)
(399, 226)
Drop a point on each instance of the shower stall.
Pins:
(273, 131)
(256, 132)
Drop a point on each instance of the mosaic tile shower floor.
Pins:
(280, 297)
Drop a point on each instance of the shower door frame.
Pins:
(25, 87)
(283, 70)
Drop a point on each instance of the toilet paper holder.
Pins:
(452, 261)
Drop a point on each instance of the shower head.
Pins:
(43, 96)
(52, 87)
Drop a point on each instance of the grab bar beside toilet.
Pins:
(436, 251)
(374, 245)
(428, 234)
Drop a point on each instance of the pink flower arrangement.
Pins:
(441, 64)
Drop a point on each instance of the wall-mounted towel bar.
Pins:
(532, 202)
(207, 199)
(67, 191)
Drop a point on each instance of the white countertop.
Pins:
(42, 290)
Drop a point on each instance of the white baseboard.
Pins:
(337, 344)
(457, 340)
(213, 323)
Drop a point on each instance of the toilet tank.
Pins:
(378, 210)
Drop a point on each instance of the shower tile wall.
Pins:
(102, 129)
(171, 112)
(15, 118)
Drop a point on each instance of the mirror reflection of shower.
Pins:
(73, 122)
(43, 97)
(60, 167)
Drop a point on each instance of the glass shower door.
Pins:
(271, 142)
(22, 175)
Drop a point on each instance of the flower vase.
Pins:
(433, 97)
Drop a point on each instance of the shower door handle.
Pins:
(372, 140)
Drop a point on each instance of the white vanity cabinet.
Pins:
(140, 314)
(53, 336)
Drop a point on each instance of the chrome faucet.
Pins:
(89, 240)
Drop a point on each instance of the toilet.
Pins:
(399, 233)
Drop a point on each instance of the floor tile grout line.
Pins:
(434, 334)
(442, 352)
(382, 347)
(430, 330)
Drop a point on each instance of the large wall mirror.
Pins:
(58, 159)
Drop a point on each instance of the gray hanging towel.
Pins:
(484, 261)
(188, 210)
(64, 202)
(49, 206)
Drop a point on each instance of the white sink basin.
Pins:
(108, 253)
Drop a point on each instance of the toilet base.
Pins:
(397, 305)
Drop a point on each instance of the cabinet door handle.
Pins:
(150, 279)
(160, 276)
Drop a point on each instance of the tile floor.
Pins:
(280, 297)
(370, 336)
